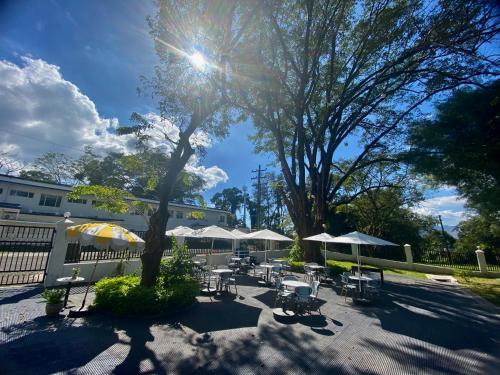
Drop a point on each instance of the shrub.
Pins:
(177, 267)
(296, 254)
(123, 295)
(176, 287)
(182, 292)
(53, 295)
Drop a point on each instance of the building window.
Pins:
(179, 215)
(50, 200)
(80, 201)
(1, 190)
(222, 219)
(22, 193)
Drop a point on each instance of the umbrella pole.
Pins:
(325, 253)
(359, 268)
(90, 280)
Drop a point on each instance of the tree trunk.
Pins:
(156, 240)
(155, 244)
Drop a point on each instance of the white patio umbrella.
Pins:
(268, 235)
(213, 232)
(322, 237)
(180, 231)
(241, 236)
(358, 238)
(103, 236)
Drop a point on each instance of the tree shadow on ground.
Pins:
(139, 335)
(274, 350)
(46, 346)
(218, 316)
(435, 314)
(11, 295)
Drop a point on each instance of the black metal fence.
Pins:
(454, 259)
(76, 253)
(492, 260)
(24, 252)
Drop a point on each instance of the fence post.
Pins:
(408, 253)
(57, 254)
(481, 260)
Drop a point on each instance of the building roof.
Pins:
(66, 188)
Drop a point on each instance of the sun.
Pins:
(198, 60)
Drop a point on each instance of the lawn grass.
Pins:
(339, 266)
(486, 287)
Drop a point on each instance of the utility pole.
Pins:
(244, 205)
(259, 192)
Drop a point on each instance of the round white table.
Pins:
(69, 283)
(268, 268)
(294, 283)
(363, 278)
(220, 272)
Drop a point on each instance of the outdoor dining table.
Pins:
(268, 268)
(293, 283)
(69, 281)
(220, 272)
(316, 268)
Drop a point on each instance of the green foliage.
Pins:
(124, 295)
(386, 213)
(229, 199)
(53, 295)
(106, 198)
(178, 266)
(183, 291)
(461, 146)
(296, 253)
(196, 215)
(479, 231)
(36, 175)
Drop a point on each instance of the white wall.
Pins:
(386, 263)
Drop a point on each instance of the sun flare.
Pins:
(198, 60)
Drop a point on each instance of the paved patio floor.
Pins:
(416, 327)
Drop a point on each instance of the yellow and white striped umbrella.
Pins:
(104, 236)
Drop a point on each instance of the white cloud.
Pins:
(212, 175)
(450, 207)
(41, 111)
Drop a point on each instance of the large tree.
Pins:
(192, 40)
(315, 75)
(461, 146)
(229, 199)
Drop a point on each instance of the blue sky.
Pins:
(71, 64)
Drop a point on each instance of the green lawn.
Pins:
(339, 266)
(488, 288)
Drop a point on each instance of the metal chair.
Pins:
(308, 274)
(302, 294)
(347, 286)
(313, 297)
(226, 281)
(282, 295)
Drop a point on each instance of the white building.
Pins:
(27, 200)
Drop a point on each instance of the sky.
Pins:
(69, 73)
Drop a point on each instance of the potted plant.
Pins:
(54, 299)
(76, 272)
